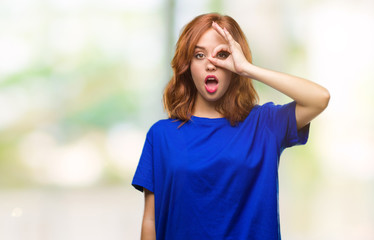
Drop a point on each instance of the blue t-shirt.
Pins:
(215, 181)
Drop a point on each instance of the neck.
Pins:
(203, 108)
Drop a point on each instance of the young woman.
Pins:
(210, 171)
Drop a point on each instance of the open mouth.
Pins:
(211, 83)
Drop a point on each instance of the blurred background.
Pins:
(81, 82)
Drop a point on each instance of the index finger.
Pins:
(219, 48)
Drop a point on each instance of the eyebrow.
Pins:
(200, 47)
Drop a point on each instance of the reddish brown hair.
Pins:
(180, 93)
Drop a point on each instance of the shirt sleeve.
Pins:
(144, 177)
(282, 121)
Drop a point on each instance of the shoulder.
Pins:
(270, 107)
(264, 109)
(164, 125)
(161, 130)
(270, 113)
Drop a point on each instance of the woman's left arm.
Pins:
(311, 99)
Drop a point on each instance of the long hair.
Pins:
(180, 93)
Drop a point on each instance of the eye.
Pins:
(223, 55)
(199, 55)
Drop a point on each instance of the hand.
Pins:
(236, 62)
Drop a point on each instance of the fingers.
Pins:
(219, 30)
(220, 48)
(217, 62)
(229, 38)
(224, 33)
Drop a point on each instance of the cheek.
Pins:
(228, 76)
(195, 71)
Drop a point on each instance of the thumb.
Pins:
(217, 62)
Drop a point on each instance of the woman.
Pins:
(210, 171)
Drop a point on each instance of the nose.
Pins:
(210, 66)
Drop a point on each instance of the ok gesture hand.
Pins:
(236, 62)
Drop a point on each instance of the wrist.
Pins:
(248, 70)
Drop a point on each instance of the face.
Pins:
(211, 82)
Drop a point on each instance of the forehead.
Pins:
(210, 38)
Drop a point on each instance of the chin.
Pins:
(213, 98)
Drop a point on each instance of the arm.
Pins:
(148, 224)
(311, 98)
